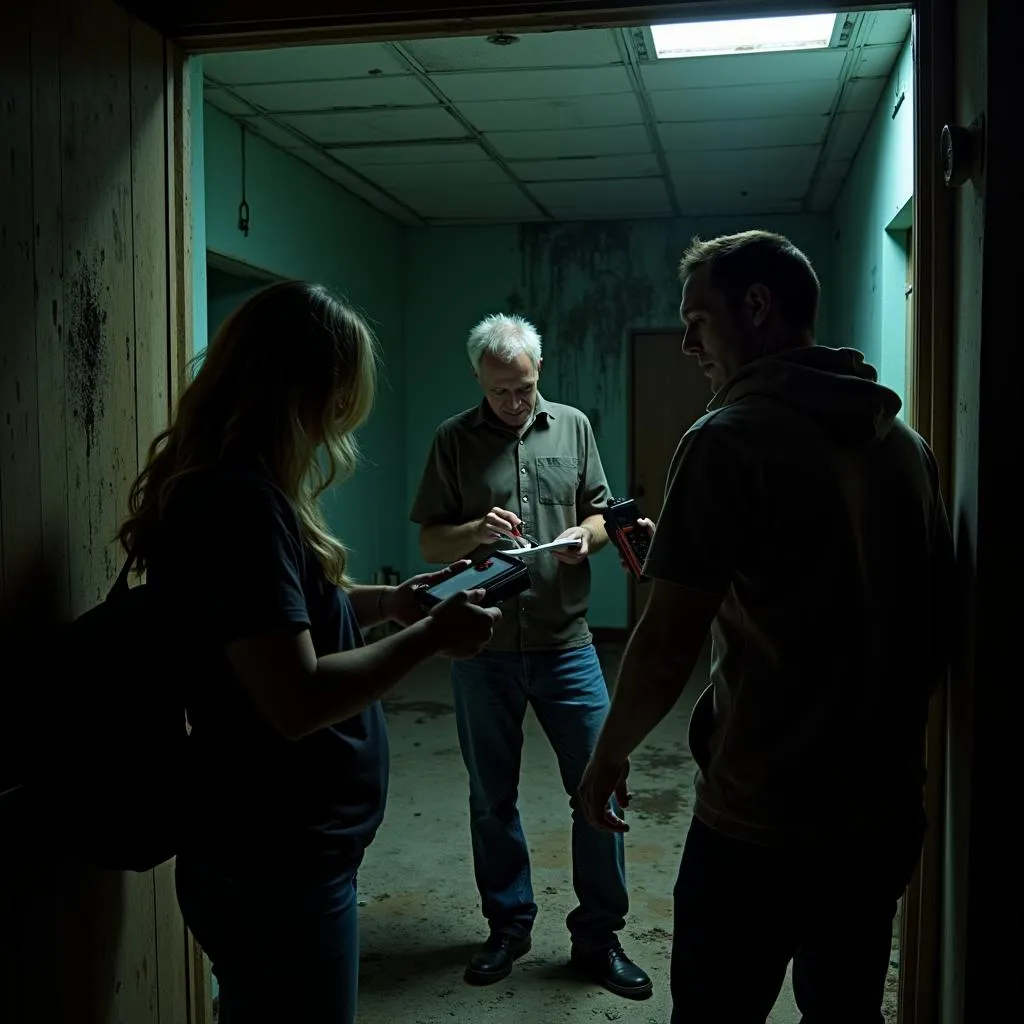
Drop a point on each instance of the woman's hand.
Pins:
(462, 627)
(401, 604)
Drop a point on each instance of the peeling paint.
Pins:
(86, 349)
(585, 288)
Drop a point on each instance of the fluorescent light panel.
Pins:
(744, 35)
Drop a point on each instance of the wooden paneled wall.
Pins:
(89, 276)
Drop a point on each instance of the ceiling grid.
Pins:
(576, 125)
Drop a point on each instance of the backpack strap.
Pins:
(121, 583)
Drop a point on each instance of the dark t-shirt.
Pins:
(230, 558)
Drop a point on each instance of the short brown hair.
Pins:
(738, 261)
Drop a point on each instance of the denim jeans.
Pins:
(743, 911)
(282, 949)
(568, 693)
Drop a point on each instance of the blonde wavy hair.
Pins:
(292, 370)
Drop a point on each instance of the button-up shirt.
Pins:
(550, 475)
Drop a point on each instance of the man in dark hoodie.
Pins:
(804, 526)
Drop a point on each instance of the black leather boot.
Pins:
(614, 970)
(494, 959)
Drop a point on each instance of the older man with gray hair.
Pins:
(518, 464)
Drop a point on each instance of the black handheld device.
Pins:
(632, 540)
(500, 576)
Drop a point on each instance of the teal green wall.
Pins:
(585, 285)
(225, 293)
(304, 226)
(870, 218)
(197, 176)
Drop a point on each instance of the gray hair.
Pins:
(505, 336)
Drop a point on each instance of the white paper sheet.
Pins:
(554, 545)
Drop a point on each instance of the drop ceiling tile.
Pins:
(743, 69)
(491, 202)
(461, 222)
(877, 61)
(576, 112)
(357, 186)
(451, 175)
(223, 100)
(782, 173)
(377, 126)
(824, 194)
(531, 85)
(790, 99)
(889, 27)
(533, 50)
(547, 145)
(713, 202)
(412, 152)
(847, 134)
(390, 91)
(835, 170)
(745, 133)
(637, 165)
(862, 94)
(302, 63)
(621, 211)
(615, 198)
(278, 136)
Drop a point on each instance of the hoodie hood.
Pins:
(834, 386)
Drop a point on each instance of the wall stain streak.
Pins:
(86, 350)
(585, 288)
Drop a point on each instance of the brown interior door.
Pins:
(669, 393)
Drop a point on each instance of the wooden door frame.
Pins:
(221, 25)
(213, 26)
(931, 413)
(180, 346)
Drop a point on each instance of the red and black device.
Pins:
(621, 521)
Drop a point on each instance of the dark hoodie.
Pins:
(835, 386)
(815, 512)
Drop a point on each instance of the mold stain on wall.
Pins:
(584, 288)
(86, 351)
(587, 285)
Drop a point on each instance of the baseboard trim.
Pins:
(617, 635)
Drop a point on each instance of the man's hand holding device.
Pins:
(631, 534)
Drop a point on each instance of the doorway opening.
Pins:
(668, 394)
(559, 175)
(229, 282)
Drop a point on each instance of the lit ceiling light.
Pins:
(746, 35)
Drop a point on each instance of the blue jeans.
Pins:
(568, 693)
(282, 949)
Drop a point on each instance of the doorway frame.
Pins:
(223, 25)
(241, 268)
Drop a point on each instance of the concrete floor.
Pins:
(420, 911)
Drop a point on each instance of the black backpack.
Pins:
(109, 779)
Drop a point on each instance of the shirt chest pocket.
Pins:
(557, 480)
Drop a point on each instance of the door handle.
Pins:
(639, 491)
(963, 151)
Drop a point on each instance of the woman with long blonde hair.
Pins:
(288, 739)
